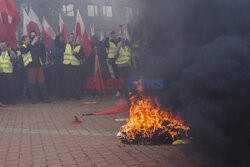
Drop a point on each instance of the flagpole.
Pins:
(98, 66)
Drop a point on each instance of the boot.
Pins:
(32, 90)
(2, 105)
(44, 93)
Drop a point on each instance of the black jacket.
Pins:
(38, 53)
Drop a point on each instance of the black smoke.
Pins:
(202, 50)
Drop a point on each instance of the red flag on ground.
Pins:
(48, 33)
(34, 23)
(121, 106)
(63, 29)
(82, 34)
(9, 20)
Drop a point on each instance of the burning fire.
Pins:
(149, 124)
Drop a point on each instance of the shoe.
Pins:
(67, 98)
(117, 94)
(43, 90)
(34, 101)
(13, 102)
(2, 105)
(46, 100)
(32, 93)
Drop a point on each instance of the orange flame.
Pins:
(147, 117)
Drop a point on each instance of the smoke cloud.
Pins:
(202, 50)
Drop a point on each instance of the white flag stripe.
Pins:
(26, 21)
(101, 36)
(80, 21)
(92, 30)
(48, 29)
(35, 19)
(61, 23)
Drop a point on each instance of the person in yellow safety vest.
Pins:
(7, 91)
(113, 49)
(73, 55)
(123, 63)
(33, 53)
(135, 51)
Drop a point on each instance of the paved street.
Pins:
(43, 135)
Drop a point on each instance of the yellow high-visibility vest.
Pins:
(27, 58)
(5, 64)
(69, 58)
(124, 57)
(112, 49)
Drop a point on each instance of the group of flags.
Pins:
(10, 18)
(31, 22)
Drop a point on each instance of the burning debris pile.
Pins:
(150, 124)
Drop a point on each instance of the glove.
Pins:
(111, 61)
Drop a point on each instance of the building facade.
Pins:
(102, 15)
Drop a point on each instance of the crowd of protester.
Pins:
(32, 71)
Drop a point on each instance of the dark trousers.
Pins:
(114, 67)
(20, 82)
(72, 81)
(54, 79)
(36, 75)
(83, 75)
(7, 89)
(124, 73)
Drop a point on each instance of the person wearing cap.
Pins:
(34, 57)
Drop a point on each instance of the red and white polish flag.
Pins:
(62, 28)
(35, 23)
(48, 33)
(82, 34)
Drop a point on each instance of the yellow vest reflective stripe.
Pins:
(5, 64)
(69, 58)
(135, 48)
(26, 57)
(112, 49)
(124, 58)
(18, 53)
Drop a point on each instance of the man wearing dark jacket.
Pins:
(57, 51)
(34, 56)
